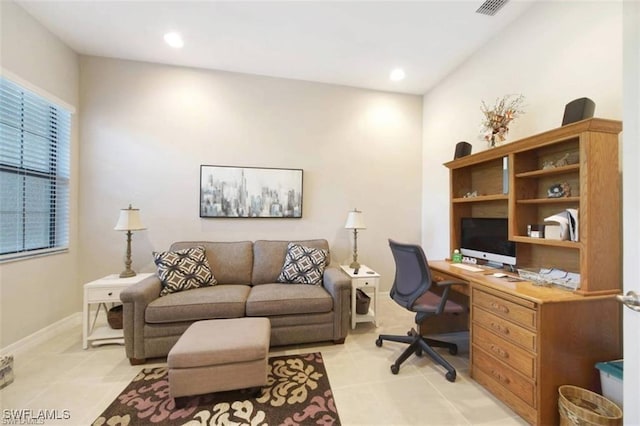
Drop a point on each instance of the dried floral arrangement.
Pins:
(496, 119)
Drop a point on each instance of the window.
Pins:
(34, 173)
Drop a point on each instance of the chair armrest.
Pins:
(338, 284)
(143, 292)
(446, 283)
(335, 281)
(445, 293)
(135, 300)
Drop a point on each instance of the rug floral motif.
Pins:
(297, 393)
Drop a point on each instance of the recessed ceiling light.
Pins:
(174, 40)
(397, 74)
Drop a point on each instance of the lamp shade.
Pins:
(129, 220)
(355, 220)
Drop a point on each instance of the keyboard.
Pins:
(466, 267)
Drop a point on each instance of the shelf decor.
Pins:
(250, 192)
(497, 118)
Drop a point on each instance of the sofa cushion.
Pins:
(230, 262)
(287, 299)
(268, 258)
(303, 265)
(219, 301)
(181, 270)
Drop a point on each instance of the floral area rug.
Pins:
(297, 393)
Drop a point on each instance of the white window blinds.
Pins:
(34, 173)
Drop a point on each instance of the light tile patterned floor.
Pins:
(60, 375)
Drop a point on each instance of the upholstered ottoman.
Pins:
(219, 355)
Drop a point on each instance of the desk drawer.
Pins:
(516, 404)
(506, 309)
(519, 359)
(504, 329)
(103, 295)
(504, 376)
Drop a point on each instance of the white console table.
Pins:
(368, 281)
(100, 292)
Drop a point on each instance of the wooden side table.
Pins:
(100, 292)
(368, 281)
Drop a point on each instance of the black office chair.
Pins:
(412, 290)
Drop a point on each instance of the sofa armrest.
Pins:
(135, 300)
(338, 284)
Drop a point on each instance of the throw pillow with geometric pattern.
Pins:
(303, 265)
(183, 270)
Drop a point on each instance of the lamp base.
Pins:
(128, 273)
(354, 265)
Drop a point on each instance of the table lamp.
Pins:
(355, 222)
(129, 220)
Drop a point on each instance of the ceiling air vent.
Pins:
(491, 7)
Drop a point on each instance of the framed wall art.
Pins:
(248, 192)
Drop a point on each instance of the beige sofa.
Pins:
(246, 273)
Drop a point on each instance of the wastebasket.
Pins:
(114, 317)
(581, 407)
(362, 302)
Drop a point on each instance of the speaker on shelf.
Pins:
(578, 109)
(462, 150)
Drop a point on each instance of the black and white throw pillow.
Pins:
(303, 265)
(183, 270)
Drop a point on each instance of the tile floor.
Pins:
(59, 374)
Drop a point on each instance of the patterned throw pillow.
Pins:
(183, 270)
(303, 265)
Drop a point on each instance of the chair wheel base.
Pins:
(378, 342)
(395, 368)
(453, 350)
(451, 376)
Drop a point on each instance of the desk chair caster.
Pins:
(453, 350)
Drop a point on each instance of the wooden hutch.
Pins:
(526, 339)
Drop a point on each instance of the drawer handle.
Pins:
(110, 293)
(502, 329)
(500, 377)
(500, 308)
(498, 350)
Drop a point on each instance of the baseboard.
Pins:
(27, 343)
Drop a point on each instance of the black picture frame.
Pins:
(250, 192)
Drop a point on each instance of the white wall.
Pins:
(557, 52)
(146, 129)
(37, 292)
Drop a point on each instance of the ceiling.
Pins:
(353, 43)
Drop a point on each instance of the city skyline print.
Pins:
(250, 192)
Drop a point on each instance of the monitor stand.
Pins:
(494, 265)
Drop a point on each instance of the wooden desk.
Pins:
(527, 340)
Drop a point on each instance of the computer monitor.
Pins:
(487, 239)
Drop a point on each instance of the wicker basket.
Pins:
(581, 407)
(6, 370)
(114, 317)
